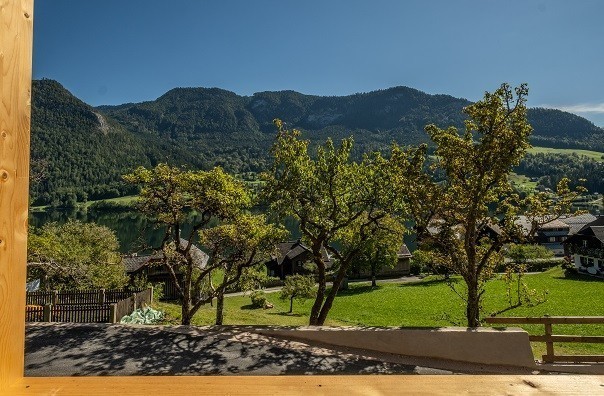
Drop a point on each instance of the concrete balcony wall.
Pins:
(501, 347)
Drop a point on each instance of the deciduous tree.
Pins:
(340, 204)
(299, 287)
(75, 255)
(471, 212)
(233, 239)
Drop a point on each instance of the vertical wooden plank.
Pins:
(16, 34)
(549, 345)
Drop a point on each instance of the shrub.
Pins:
(258, 298)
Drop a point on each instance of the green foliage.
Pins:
(233, 239)
(342, 205)
(75, 255)
(78, 152)
(381, 250)
(300, 287)
(258, 298)
(469, 216)
(555, 128)
(141, 282)
(523, 253)
(243, 245)
(427, 262)
(253, 278)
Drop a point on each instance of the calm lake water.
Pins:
(134, 231)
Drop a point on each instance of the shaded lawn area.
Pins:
(430, 303)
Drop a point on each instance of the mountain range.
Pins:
(80, 151)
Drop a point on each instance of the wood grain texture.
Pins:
(318, 384)
(15, 79)
(16, 29)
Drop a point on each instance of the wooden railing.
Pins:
(89, 310)
(549, 338)
(100, 296)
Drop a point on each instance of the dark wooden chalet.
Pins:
(586, 248)
(290, 259)
(151, 267)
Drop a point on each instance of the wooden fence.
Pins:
(101, 296)
(87, 311)
(549, 338)
(127, 306)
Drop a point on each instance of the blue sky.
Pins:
(112, 52)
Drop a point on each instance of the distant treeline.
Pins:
(550, 168)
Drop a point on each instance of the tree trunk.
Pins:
(186, 313)
(291, 304)
(373, 281)
(473, 304)
(316, 308)
(219, 307)
(332, 294)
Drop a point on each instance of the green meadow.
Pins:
(429, 303)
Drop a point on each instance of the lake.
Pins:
(134, 230)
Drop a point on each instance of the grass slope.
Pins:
(429, 303)
(595, 155)
(522, 182)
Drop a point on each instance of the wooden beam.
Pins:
(15, 80)
(546, 319)
(316, 385)
(579, 359)
(16, 29)
(568, 338)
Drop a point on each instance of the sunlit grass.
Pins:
(596, 155)
(430, 303)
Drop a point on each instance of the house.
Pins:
(586, 248)
(402, 267)
(290, 259)
(553, 233)
(151, 267)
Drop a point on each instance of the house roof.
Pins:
(577, 222)
(557, 223)
(595, 228)
(573, 222)
(293, 249)
(404, 252)
(134, 263)
(598, 232)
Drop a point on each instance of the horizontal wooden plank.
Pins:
(568, 338)
(546, 319)
(575, 358)
(314, 384)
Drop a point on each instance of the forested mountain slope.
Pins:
(82, 151)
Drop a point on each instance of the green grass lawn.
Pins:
(596, 155)
(429, 303)
(522, 182)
